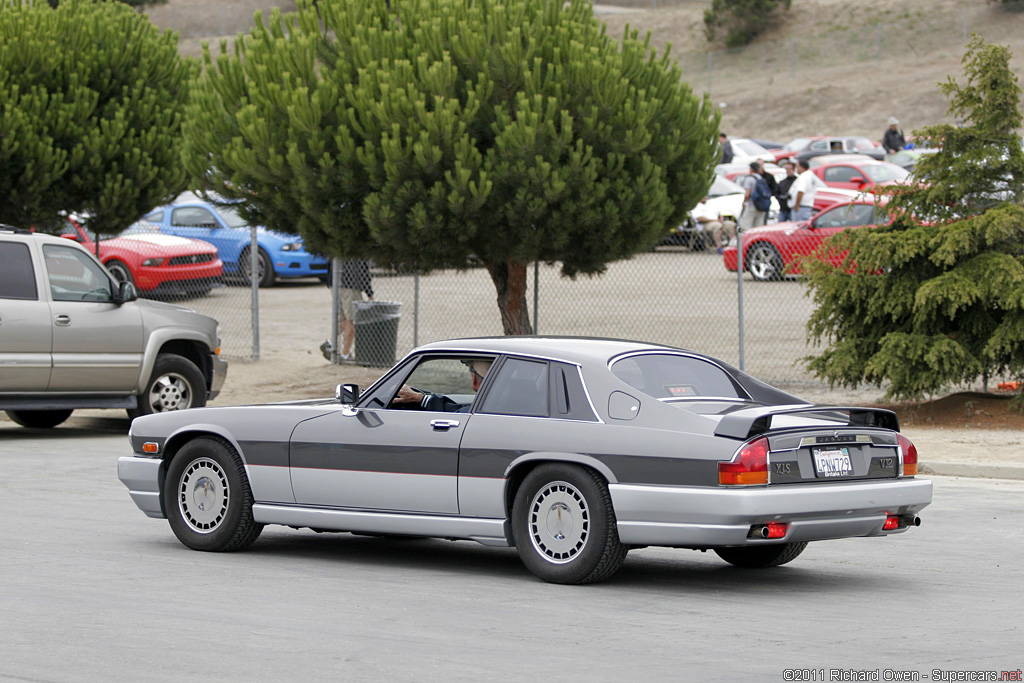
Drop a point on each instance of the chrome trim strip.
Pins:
(813, 440)
(491, 532)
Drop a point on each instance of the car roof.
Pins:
(578, 350)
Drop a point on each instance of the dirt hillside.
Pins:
(826, 67)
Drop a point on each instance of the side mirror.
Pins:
(857, 179)
(125, 292)
(347, 394)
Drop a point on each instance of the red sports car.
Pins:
(860, 174)
(157, 264)
(772, 250)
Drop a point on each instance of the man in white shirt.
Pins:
(711, 221)
(802, 192)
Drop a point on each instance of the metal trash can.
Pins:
(376, 324)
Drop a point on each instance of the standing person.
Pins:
(707, 220)
(353, 280)
(782, 190)
(893, 140)
(751, 216)
(802, 192)
(723, 140)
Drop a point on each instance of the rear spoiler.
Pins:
(748, 422)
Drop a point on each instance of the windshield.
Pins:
(796, 144)
(750, 148)
(861, 144)
(722, 186)
(881, 173)
(231, 217)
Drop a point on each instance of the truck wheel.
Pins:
(756, 557)
(38, 419)
(208, 499)
(176, 384)
(564, 526)
(264, 268)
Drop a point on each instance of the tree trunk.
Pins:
(509, 280)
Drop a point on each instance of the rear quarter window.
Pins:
(17, 277)
(674, 376)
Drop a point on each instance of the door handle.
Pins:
(62, 320)
(444, 425)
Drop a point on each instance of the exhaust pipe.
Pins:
(917, 521)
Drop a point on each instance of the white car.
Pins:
(724, 198)
(746, 150)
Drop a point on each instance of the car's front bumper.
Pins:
(289, 264)
(220, 373)
(695, 517)
(142, 477)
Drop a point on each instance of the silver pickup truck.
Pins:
(71, 336)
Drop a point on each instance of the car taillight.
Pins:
(748, 466)
(909, 452)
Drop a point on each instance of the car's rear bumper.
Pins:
(142, 477)
(694, 517)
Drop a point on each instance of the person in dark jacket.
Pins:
(723, 140)
(782, 190)
(353, 280)
(893, 140)
(440, 402)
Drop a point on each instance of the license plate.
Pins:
(832, 462)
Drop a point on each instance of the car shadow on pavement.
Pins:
(666, 570)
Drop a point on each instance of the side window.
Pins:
(448, 381)
(674, 376)
(155, 217)
(193, 217)
(17, 279)
(520, 388)
(568, 398)
(73, 276)
(818, 145)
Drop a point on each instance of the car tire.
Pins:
(264, 267)
(764, 262)
(176, 384)
(120, 271)
(38, 419)
(207, 497)
(563, 525)
(757, 557)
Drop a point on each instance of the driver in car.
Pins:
(439, 402)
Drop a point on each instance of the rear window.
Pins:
(663, 375)
(17, 279)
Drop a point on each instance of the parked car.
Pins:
(769, 145)
(908, 158)
(280, 255)
(809, 147)
(774, 250)
(74, 337)
(156, 264)
(745, 150)
(573, 450)
(864, 174)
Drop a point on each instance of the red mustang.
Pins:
(774, 250)
(157, 264)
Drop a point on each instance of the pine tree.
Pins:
(91, 103)
(440, 133)
(937, 296)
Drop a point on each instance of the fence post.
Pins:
(416, 309)
(879, 57)
(536, 294)
(792, 58)
(740, 262)
(709, 71)
(335, 308)
(254, 284)
(965, 26)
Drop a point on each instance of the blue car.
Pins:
(281, 255)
